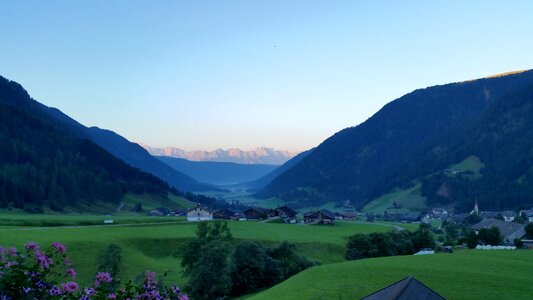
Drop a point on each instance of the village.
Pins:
(510, 224)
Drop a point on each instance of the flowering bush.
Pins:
(48, 274)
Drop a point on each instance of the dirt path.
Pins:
(120, 206)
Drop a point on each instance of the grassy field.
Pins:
(17, 219)
(152, 246)
(468, 274)
(410, 200)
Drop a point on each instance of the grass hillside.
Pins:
(154, 201)
(469, 274)
(471, 163)
(152, 246)
(408, 200)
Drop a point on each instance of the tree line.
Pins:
(219, 266)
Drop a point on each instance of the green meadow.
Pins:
(154, 243)
(467, 274)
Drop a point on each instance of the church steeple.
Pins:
(476, 209)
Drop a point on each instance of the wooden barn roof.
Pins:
(406, 289)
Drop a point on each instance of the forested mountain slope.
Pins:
(354, 163)
(44, 163)
(501, 138)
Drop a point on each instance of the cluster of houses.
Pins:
(505, 221)
(283, 213)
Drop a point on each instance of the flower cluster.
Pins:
(48, 274)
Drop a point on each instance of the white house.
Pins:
(508, 216)
(199, 214)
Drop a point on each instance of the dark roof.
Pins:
(527, 213)
(258, 209)
(225, 212)
(406, 289)
(459, 218)
(489, 214)
(287, 210)
(200, 207)
(507, 229)
(327, 213)
(310, 213)
(347, 214)
(508, 213)
(410, 217)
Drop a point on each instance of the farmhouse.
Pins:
(256, 213)
(509, 231)
(346, 215)
(321, 216)
(199, 214)
(508, 216)
(283, 212)
(406, 289)
(225, 214)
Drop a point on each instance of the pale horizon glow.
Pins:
(246, 74)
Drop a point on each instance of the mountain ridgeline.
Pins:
(410, 139)
(45, 162)
(262, 155)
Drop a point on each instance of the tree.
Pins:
(138, 207)
(471, 239)
(289, 261)
(529, 230)
(358, 247)
(209, 277)
(205, 233)
(252, 268)
(490, 236)
(423, 238)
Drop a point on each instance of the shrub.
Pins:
(35, 273)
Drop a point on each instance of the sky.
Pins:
(245, 74)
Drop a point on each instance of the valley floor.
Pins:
(155, 243)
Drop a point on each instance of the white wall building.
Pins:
(199, 214)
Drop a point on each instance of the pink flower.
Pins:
(32, 246)
(44, 261)
(150, 277)
(59, 247)
(111, 296)
(102, 277)
(68, 262)
(71, 272)
(183, 297)
(70, 287)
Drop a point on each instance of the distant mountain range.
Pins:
(263, 155)
(411, 140)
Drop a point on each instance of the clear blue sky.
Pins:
(284, 74)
